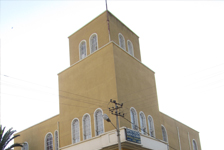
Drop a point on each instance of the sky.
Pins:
(181, 41)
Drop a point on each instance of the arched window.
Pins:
(49, 141)
(143, 123)
(86, 127)
(194, 145)
(93, 43)
(75, 131)
(56, 139)
(121, 41)
(99, 128)
(134, 119)
(151, 126)
(82, 49)
(25, 146)
(130, 48)
(164, 133)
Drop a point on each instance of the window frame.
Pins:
(72, 129)
(119, 34)
(90, 49)
(45, 141)
(22, 148)
(56, 140)
(141, 123)
(80, 49)
(163, 127)
(89, 125)
(136, 119)
(95, 126)
(152, 125)
(128, 41)
(194, 142)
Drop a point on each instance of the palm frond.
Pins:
(6, 137)
(14, 145)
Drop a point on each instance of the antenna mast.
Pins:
(106, 4)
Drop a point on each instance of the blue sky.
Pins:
(182, 41)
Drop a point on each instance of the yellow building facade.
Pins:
(105, 63)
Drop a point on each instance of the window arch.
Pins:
(49, 141)
(121, 41)
(143, 123)
(82, 49)
(134, 119)
(25, 146)
(56, 140)
(151, 126)
(86, 127)
(93, 42)
(99, 124)
(75, 131)
(130, 48)
(164, 133)
(195, 147)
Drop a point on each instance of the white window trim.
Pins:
(55, 139)
(90, 42)
(166, 133)
(72, 129)
(195, 143)
(153, 126)
(79, 49)
(27, 145)
(45, 144)
(83, 126)
(136, 118)
(119, 41)
(95, 120)
(189, 140)
(132, 48)
(141, 112)
(178, 133)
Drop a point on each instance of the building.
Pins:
(105, 63)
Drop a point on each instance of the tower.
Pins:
(105, 63)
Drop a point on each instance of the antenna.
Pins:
(106, 4)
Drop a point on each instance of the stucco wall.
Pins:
(84, 87)
(99, 26)
(171, 127)
(35, 135)
(116, 27)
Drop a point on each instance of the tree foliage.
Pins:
(6, 137)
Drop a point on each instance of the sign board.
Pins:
(133, 136)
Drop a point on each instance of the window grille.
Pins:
(56, 140)
(143, 123)
(86, 127)
(194, 145)
(121, 41)
(93, 43)
(130, 48)
(134, 119)
(49, 142)
(164, 134)
(75, 131)
(99, 122)
(151, 126)
(82, 50)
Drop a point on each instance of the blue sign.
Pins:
(133, 136)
